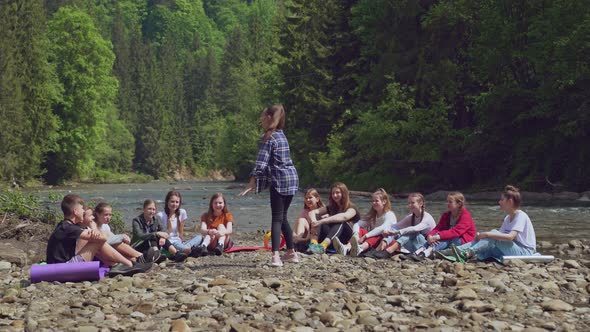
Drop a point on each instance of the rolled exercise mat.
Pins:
(64, 272)
(531, 259)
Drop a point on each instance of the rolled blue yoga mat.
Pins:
(64, 272)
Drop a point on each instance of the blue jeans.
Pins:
(409, 241)
(195, 241)
(496, 249)
(444, 244)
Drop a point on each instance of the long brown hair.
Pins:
(277, 116)
(169, 196)
(384, 197)
(210, 213)
(345, 201)
(313, 192)
(420, 199)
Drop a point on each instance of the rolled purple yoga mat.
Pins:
(63, 272)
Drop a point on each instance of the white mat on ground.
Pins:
(531, 259)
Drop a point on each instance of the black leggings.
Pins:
(341, 230)
(147, 244)
(279, 205)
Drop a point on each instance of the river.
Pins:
(252, 213)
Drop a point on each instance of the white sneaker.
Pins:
(355, 249)
(340, 248)
(276, 261)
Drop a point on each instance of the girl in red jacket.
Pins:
(455, 226)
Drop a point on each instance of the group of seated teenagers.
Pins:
(378, 234)
(85, 235)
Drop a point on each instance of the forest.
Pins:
(400, 94)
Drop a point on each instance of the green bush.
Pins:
(26, 206)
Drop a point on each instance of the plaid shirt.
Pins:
(274, 166)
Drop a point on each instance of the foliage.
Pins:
(409, 95)
(26, 206)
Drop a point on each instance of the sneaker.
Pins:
(355, 249)
(341, 249)
(416, 257)
(462, 255)
(179, 257)
(152, 254)
(218, 249)
(143, 266)
(140, 259)
(317, 248)
(369, 253)
(196, 251)
(383, 254)
(121, 269)
(276, 261)
(159, 258)
(446, 254)
(291, 257)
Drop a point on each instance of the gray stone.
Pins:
(446, 311)
(556, 305)
(271, 283)
(465, 294)
(572, 264)
(5, 266)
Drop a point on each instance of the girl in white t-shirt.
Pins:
(303, 233)
(516, 237)
(368, 232)
(103, 213)
(173, 217)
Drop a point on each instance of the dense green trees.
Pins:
(400, 94)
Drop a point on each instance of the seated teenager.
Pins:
(103, 213)
(409, 233)
(63, 247)
(516, 236)
(367, 233)
(149, 233)
(340, 222)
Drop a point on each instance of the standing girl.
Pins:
(368, 232)
(174, 217)
(342, 217)
(410, 232)
(216, 225)
(148, 233)
(515, 238)
(274, 164)
(303, 232)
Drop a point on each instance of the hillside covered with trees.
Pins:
(399, 94)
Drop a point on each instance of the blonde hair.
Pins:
(277, 115)
(313, 192)
(384, 197)
(513, 193)
(457, 197)
(420, 199)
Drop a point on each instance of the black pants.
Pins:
(147, 244)
(279, 205)
(341, 230)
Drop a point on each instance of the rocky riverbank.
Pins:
(241, 292)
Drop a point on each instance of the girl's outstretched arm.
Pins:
(339, 217)
(498, 236)
(250, 186)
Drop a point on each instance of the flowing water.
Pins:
(252, 213)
